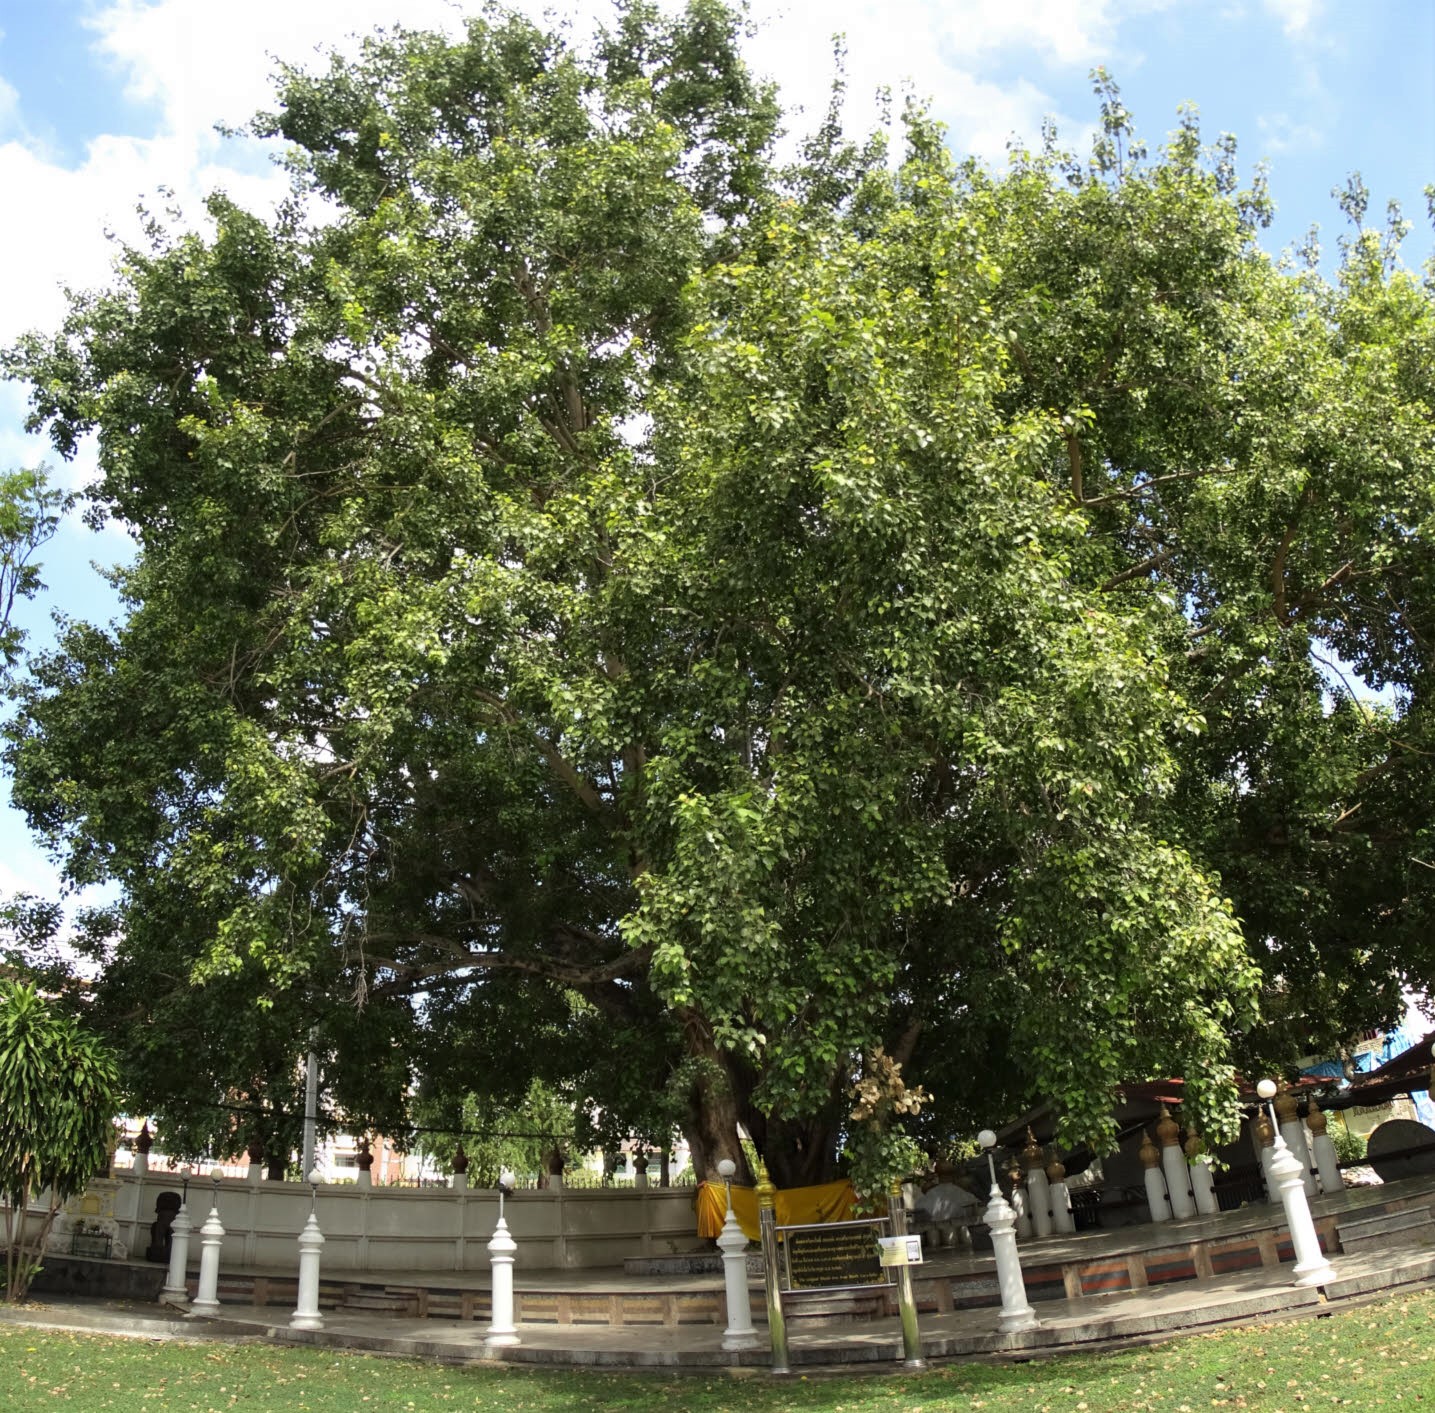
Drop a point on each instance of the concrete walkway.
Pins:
(1088, 1323)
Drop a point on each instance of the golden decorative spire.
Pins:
(1168, 1130)
(766, 1192)
(1265, 1134)
(1315, 1118)
(1194, 1145)
(1150, 1154)
(1056, 1169)
(1032, 1152)
(1287, 1105)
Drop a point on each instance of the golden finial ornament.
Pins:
(1032, 1152)
(1168, 1130)
(1150, 1154)
(1315, 1118)
(1265, 1134)
(1194, 1146)
(1287, 1105)
(1056, 1169)
(766, 1191)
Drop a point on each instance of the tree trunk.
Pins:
(796, 1152)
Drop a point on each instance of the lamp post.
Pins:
(1288, 1173)
(206, 1299)
(732, 1242)
(1016, 1313)
(306, 1314)
(501, 1249)
(175, 1290)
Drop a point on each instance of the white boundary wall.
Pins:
(410, 1229)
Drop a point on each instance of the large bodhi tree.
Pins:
(618, 609)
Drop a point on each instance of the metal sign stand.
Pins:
(896, 1259)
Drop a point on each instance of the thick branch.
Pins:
(1136, 570)
(563, 768)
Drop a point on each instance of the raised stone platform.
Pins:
(1244, 1250)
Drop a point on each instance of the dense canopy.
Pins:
(617, 608)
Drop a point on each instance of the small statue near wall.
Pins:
(166, 1207)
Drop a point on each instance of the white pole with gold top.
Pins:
(1327, 1161)
(1173, 1164)
(1155, 1180)
(1203, 1186)
(1038, 1194)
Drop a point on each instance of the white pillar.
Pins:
(1203, 1185)
(740, 1333)
(1293, 1131)
(141, 1163)
(306, 1314)
(176, 1282)
(1173, 1164)
(1016, 1312)
(1018, 1206)
(1061, 1219)
(1327, 1163)
(1038, 1196)
(1311, 1267)
(365, 1180)
(1264, 1136)
(211, 1234)
(1155, 1182)
(501, 1329)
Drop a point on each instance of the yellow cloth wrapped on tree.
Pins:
(795, 1206)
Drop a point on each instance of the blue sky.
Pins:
(102, 102)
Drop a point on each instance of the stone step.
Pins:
(834, 1308)
(392, 1300)
(692, 1263)
(1387, 1229)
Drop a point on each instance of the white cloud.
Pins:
(1280, 133)
(934, 50)
(1296, 17)
(202, 62)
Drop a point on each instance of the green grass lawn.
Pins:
(1380, 1355)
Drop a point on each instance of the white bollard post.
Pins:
(211, 1234)
(1038, 1196)
(1293, 1131)
(740, 1333)
(175, 1290)
(1018, 1204)
(1327, 1163)
(1016, 1312)
(1311, 1267)
(1155, 1180)
(306, 1314)
(1173, 1164)
(501, 1249)
(1062, 1220)
(1264, 1134)
(1203, 1185)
